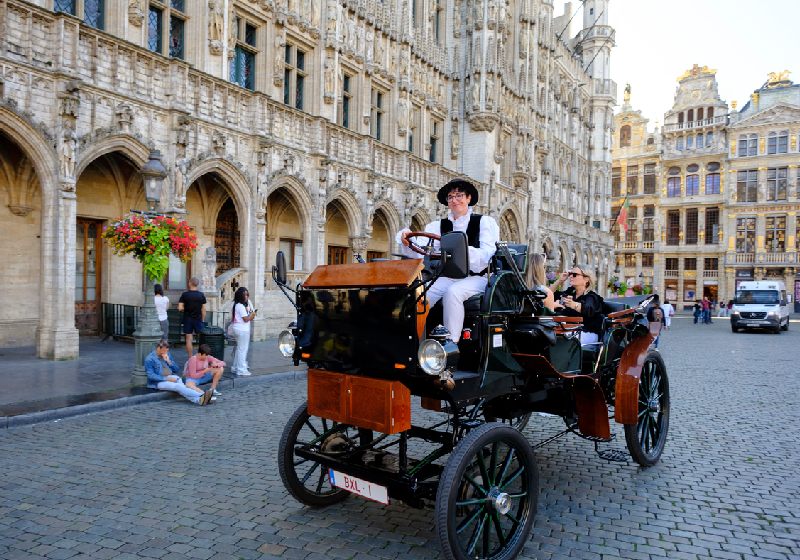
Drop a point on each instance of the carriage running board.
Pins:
(615, 455)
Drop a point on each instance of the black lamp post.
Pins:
(148, 331)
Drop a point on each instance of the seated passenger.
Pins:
(483, 233)
(580, 301)
(203, 368)
(537, 280)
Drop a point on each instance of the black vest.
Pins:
(473, 229)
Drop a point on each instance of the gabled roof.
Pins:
(777, 114)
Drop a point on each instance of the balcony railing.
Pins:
(710, 273)
(670, 274)
(648, 244)
(778, 258)
(744, 258)
(605, 87)
(695, 124)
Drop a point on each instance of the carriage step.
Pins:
(614, 455)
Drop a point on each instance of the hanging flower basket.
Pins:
(617, 286)
(151, 240)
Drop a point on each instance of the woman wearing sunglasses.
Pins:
(580, 301)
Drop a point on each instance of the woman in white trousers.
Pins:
(243, 315)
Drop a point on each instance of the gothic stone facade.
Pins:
(320, 127)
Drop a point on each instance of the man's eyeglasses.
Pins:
(456, 196)
(576, 274)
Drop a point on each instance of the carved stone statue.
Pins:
(277, 70)
(475, 92)
(209, 277)
(136, 12)
(232, 31)
(402, 115)
(181, 168)
(68, 144)
(331, 11)
(455, 139)
(216, 25)
(329, 78)
(315, 13)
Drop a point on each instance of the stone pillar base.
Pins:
(60, 343)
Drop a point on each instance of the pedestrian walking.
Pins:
(162, 374)
(193, 306)
(655, 315)
(162, 304)
(722, 308)
(697, 311)
(706, 310)
(243, 315)
(669, 313)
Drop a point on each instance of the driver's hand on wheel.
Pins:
(404, 237)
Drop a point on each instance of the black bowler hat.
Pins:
(461, 185)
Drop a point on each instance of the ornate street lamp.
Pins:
(148, 331)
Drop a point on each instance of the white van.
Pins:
(760, 304)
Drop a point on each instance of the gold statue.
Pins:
(776, 78)
(626, 97)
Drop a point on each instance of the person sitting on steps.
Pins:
(162, 374)
(203, 368)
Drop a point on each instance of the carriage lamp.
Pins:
(286, 343)
(153, 175)
(432, 357)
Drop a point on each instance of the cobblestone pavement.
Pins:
(171, 480)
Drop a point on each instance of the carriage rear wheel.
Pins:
(646, 438)
(486, 500)
(306, 480)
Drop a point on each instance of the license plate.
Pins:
(358, 486)
(753, 324)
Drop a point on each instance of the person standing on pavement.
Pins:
(243, 315)
(655, 315)
(162, 304)
(669, 312)
(162, 375)
(697, 310)
(193, 306)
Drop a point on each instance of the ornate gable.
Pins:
(782, 113)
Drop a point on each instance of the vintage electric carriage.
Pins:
(372, 344)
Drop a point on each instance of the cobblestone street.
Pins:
(170, 480)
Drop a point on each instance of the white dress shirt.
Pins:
(478, 256)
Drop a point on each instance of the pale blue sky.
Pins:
(658, 40)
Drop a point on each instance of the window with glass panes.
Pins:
(778, 142)
(671, 263)
(775, 234)
(243, 63)
(434, 141)
(673, 186)
(745, 235)
(413, 129)
(630, 260)
(615, 181)
(346, 106)
(692, 185)
(747, 186)
(649, 178)
(647, 223)
(438, 21)
(293, 249)
(711, 234)
(630, 235)
(691, 226)
(172, 11)
(712, 183)
(690, 263)
(632, 184)
(711, 263)
(776, 183)
(294, 76)
(748, 145)
(673, 227)
(94, 13)
(377, 111)
(338, 254)
(647, 260)
(66, 6)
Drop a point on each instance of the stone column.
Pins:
(259, 274)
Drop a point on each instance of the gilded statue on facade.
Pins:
(777, 78)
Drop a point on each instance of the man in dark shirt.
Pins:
(193, 306)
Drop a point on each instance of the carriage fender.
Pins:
(590, 404)
(626, 402)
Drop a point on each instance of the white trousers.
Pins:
(240, 366)
(453, 294)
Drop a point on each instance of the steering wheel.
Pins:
(426, 250)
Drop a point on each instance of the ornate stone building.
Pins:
(719, 193)
(320, 127)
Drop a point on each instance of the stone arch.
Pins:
(350, 209)
(232, 177)
(510, 225)
(297, 187)
(38, 149)
(132, 148)
(389, 210)
(285, 198)
(419, 217)
(383, 228)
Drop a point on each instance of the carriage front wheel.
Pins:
(646, 438)
(486, 500)
(305, 479)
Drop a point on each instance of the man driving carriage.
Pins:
(482, 235)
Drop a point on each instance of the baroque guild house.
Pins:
(316, 127)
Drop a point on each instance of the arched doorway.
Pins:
(285, 229)
(226, 238)
(380, 243)
(509, 230)
(20, 221)
(337, 235)
(107, 188)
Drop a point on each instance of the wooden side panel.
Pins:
(590, 404)
(626, 404)
(384, 406)
(327, 392)
(385, 273)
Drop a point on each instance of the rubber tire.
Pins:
(786, 326)
(286, 466)
(519, 423)
(638, 454)
(450, 483)
(734, 329)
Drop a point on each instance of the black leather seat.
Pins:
(473, 304)
(613, 306)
